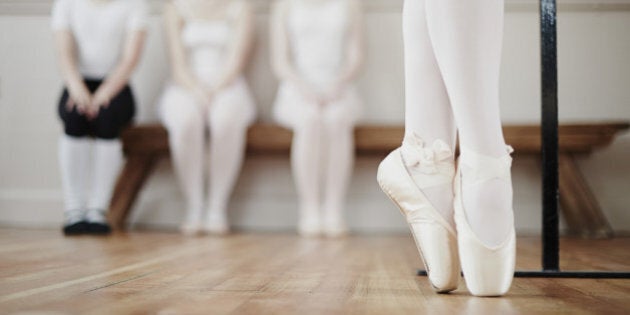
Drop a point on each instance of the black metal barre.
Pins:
(549, 152)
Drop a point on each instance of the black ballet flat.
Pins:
(78, 228)
(98, 228)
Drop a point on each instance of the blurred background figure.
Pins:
(317, 51)
(209, 43)
(99, 43)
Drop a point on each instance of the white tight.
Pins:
(322, 153)
(452, 60)
(186, 122)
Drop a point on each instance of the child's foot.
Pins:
(97, 222)
(74, 222)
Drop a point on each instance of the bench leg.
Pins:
(581, 210)
(131, 179)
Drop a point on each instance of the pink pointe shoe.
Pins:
(435, 238)
(488, 271)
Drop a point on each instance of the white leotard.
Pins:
(99, 29)
(317, 36)
(206, 43)
(317, 39)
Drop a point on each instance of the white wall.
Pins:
(594, 77)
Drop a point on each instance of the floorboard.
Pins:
(165, 273)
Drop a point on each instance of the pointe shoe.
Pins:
(488, 271)
(435, 238)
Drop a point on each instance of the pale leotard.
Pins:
(206, 43)
(317, 39)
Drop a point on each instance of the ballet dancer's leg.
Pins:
(228, 131)
(338, 145)
(427, 108)
(305, 162)
(467, 37)
(183, 118)
(428, 112)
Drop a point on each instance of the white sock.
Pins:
(96, 216)
(428, 113)
(108, 160)
(305, 162)
(71, 217)
(74, 164)
(467, 38)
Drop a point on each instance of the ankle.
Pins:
(487, 195)
(333, 216)
(309, 222)
(216, 215)
(481, 166)
(96, 216)
(217, 222)
(73, 216)
(193, 214)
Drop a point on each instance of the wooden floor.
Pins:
(165, 273)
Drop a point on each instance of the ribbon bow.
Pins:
(426, 159)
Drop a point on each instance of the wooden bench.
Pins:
(144, 145)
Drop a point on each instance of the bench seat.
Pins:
(144, 145)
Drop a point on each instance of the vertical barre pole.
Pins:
(549, 134)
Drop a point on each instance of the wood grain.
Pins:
(164, 273)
